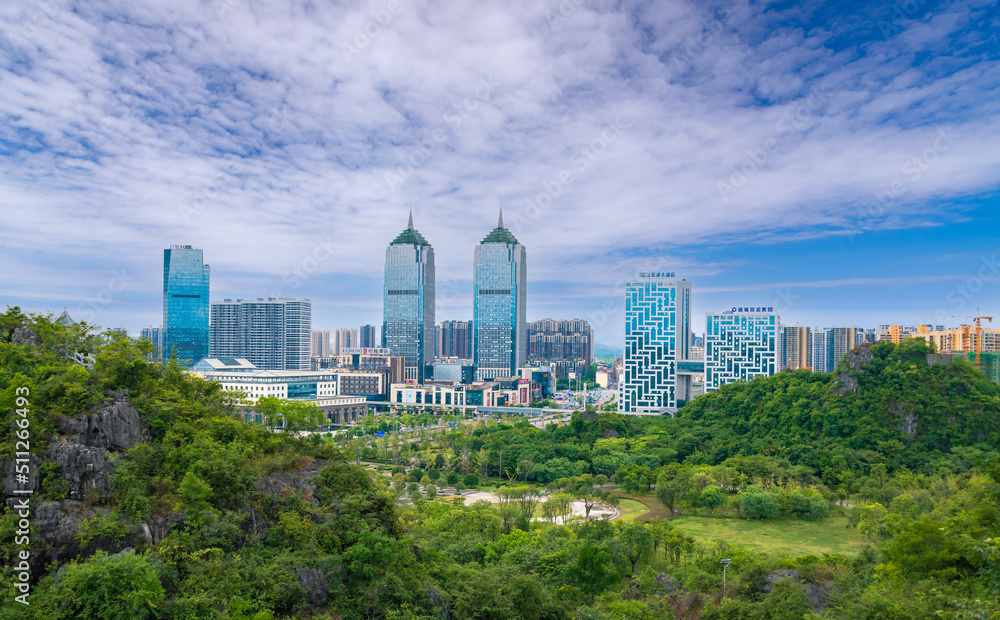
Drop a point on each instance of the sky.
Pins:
(837, 161)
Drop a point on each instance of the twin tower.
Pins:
(500, 277)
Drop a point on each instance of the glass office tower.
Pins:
(741, 345)
(185, 304)
(500, 342)
(408, 301)
(657, 337)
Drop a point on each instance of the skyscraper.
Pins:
(369, 336)
(657, 336)
(740, 345)
(408, 301)
(273, 334)
(185, 304)
(796, 348)
(500, 272)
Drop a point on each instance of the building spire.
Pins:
(409, 225)
(500, 221)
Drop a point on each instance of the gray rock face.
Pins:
(83, 451)
(59, 524)
(853, 360)
(313, 581)
(83, 467)
(116, 426)
(10, 474)
(24, 336)
(281, 485)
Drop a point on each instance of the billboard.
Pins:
(364, 351)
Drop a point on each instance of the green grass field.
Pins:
(631, 509)
(791, 537)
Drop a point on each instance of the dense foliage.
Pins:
(262, 524)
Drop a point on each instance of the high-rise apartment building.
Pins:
(369, 337)
(740, 345)
(500, 273)
(657, 337)
(796, 348)
(273, 334)
(566, 341)
(185, 304)
(819, 350)
(319, 343)
(408, 301)
(840, 340)
(344, 338)
(455, 339)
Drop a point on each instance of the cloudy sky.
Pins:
(839, 161)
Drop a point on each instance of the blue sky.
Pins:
(840, 161)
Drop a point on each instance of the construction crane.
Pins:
(966, 333)
(979, 335)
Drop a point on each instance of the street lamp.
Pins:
(725, 567)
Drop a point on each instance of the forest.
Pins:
(152, 498)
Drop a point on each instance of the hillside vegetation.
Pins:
(152, 500)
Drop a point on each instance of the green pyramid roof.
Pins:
(409, 236)
(500, 234)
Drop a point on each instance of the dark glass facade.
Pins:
(185, 304)
(499, 335)
(408, 302)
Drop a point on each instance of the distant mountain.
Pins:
(601, 348)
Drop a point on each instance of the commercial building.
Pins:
(657, 337)
(796, 348)
(739, 345)
(320, 343)
(330, 391)
(500, 274)
(273, 333)
(344, 338)
(408, 301)
(454, 339)
(427, 396)
(185, 304)
(454, 371)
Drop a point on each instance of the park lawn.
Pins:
(631, 509)
(656, 510)
(778, 537)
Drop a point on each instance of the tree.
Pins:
(637, 541)
(873, 523)
(508, 516)
(431, 491)
(756, 503)
(526, 498)
(194, 493)
(114, 587)
(711, 498)
(592, 569)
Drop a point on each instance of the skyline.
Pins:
(867, 138)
